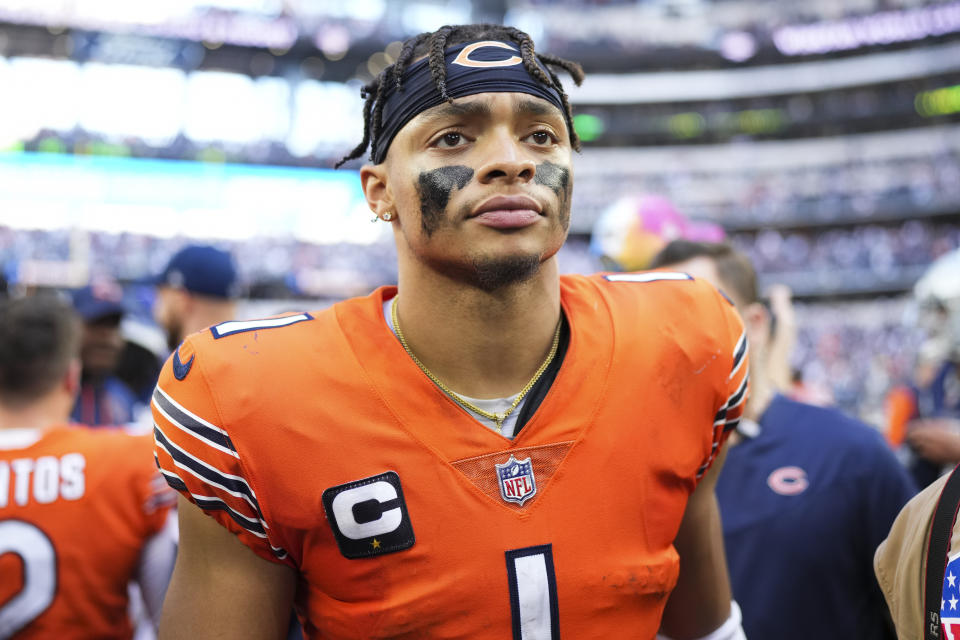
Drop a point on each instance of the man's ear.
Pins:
(756, 320)
(373, 179)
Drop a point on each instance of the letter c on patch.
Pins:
(344, 502)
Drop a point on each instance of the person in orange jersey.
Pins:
(488, 449)
(82, 511)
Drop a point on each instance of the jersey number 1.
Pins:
(39, 575)
(533, 593)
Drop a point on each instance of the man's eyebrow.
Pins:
(475, 108)
(537, 108)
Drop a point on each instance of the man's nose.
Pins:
(506, 160)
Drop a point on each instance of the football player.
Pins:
(488, 449)
(82, 511)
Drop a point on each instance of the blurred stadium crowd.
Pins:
(849, 353)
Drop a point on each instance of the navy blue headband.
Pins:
(489, 66)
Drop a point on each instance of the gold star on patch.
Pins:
(375, 543)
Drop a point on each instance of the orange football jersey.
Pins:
(76, 506)
(319, 442)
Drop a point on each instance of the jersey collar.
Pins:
(11, 439)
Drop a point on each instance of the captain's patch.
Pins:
(369, 517)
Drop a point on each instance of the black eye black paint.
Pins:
(556, 178)
(553, 176)
(435, 188)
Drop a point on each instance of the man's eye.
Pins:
(541, 137)
(451, 139)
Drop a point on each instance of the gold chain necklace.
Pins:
(497, 418)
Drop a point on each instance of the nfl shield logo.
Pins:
(517, 483)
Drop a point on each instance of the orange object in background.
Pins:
(901, 407)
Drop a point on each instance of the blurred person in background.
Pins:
(918, 563)
(388, 463)
(782, 339)
(144, 350)
(103, 400)
(82, 511)
(806, 494)
(925, 415)
(631, 231)
(197, 289)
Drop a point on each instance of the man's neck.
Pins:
(206, 313)
(762, 392)
(42, 414)
(481, 344)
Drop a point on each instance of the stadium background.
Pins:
(823, 137)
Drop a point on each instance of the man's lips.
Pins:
(500, 204)
(508, 218)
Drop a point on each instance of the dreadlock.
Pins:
(433, 45)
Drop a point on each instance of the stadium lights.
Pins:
(938, 102)
(878, 29)
(185, 19)
(588, 126)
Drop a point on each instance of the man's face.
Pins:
(168, 314)
(101, 346)
(482, 186)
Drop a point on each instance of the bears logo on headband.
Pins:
(472, 68)
(464, 59)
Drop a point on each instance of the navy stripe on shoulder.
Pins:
(192, 424)
(738, 395)
(175, 482)
(255, 526)
(211, 503)
(232, 484)
(740, 351)
(721, 415)
(216, 504)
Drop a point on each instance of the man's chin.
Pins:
(491, 274)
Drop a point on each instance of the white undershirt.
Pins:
(491, 405)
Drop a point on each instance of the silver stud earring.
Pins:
(388, 216)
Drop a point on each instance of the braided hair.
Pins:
(433, 45)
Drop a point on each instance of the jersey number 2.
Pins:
(39, 575)
(533, 593)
